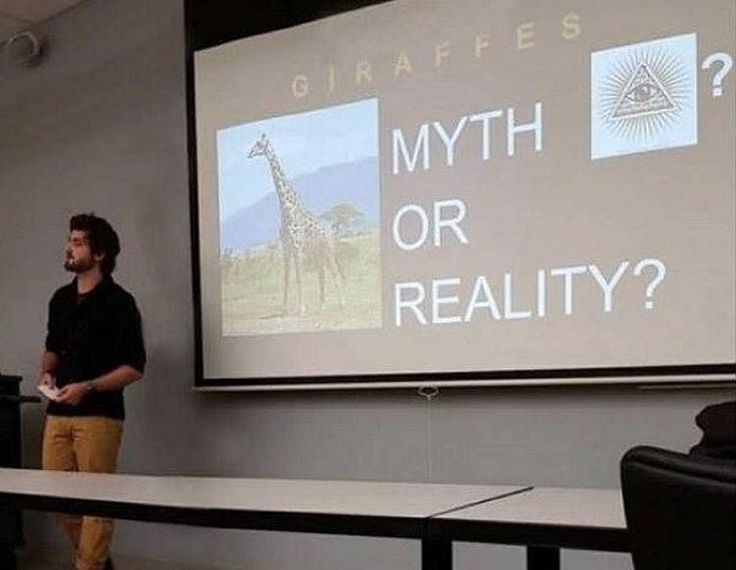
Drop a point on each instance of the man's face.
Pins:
(78, 256)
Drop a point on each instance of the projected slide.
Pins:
(440, 189)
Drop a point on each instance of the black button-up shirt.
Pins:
(92, 335)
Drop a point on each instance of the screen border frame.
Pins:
(215, 22)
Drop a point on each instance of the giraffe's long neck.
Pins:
(287, 197)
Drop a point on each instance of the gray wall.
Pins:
(101, 126)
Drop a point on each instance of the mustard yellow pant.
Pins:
(90, 444)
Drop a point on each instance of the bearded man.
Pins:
(94, 348)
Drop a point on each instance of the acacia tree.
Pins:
(344, 217)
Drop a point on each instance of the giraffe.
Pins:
(301, 232)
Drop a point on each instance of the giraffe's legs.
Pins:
(321, 273)
(298, 273)
(337, 277)
(287, 268)
(326, 261)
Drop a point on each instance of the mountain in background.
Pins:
(355, 183)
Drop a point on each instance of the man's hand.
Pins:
(47, 379)
(72, 394)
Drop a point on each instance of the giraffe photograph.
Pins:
(299, 205)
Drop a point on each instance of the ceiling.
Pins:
(19, 15)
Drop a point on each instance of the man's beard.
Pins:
(78, 265)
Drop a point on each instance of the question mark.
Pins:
(661, 272)
(726, 64)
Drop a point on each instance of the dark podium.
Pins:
(10, 456)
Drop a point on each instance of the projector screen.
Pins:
(422, 191)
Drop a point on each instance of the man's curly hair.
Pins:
(102, 238)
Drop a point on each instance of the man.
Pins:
(718, 422)
(94, 348)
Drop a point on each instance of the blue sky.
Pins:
(304, 143)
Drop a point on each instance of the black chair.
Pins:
(680, 510)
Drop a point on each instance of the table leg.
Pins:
(542, 558)
(436, 554)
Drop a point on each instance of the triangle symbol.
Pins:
(644, 94)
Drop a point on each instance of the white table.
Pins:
(398, 510)
(542, 519)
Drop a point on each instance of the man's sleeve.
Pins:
(130, 348)
(53, 336)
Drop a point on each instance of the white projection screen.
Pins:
(467, 191)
